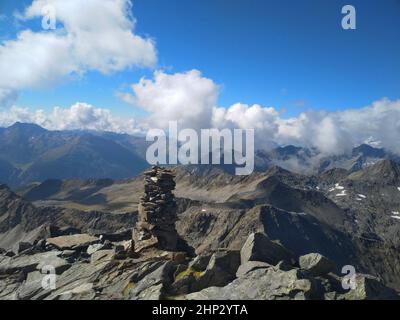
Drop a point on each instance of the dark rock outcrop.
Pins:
(316, 264)
(258, 247)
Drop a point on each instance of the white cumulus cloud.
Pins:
(329, 132)
(80, 116)
(94, 35)
(191, 98)
(188, 98)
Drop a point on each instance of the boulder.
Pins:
(200, 263)
(220, 270)
(258, 247)
(153, 285)
(316, 264)
(76, 241)
(32, 287)
(369, 288)
(250, 266)
(261, 284)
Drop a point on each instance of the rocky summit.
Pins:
(189, 234)
(106, 270)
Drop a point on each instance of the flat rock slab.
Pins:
(29, 263)
(101, 256)
(72, 242)
(260, 284)
(144, 244)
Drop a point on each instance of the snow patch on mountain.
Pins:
(342, 194)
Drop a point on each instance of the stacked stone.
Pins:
(157, 211)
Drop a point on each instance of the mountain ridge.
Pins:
(30, 153)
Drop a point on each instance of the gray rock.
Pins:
(316, 264)
(369, 288)
(261, 284)
(68, 253)
(145, 269)
(284, 266)
(9, 286)
(220, 270)
(200, 262)
(79, 274)
(29, 263)
(76, 241)
(32, 287)
(152, 286)
(102, 256)
(82, 292)
(258, 247)
(41, 244)
(251, 266)
(94, 247)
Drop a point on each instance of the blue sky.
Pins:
(287, 54)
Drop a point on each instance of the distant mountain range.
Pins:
(308, 161)
(30, 153)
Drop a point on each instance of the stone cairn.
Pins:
(157, 212)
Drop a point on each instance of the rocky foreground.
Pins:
(90, 267)
(271, 235)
